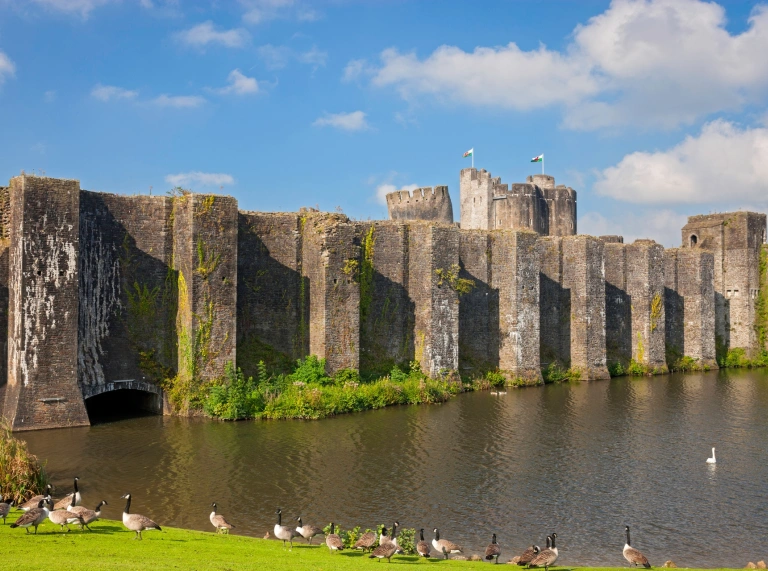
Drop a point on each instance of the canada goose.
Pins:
(308, 531)
(89, 516)
(633, 555)
(5, 508)
(34, 501)
(64, 517)
(33, 517)
(385, 551)
(366, 541)
(547, 557)
(393, 539)
(712, 460)
(444, 546)
(333, 541)
(66, 501)
(136, 522)
(284, 532)
(493, 550)
(528, 555)
(219, 522)
(422, 547)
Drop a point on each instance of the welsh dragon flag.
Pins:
(538, 159)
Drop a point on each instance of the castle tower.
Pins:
(476, 198)
(537, 204)
(736, 238)
(422, 204)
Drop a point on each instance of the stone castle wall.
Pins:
(103, 291)
(421, 204)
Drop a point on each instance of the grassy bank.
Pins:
(309, 393)
(110, 547)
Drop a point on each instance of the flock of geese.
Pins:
(532, 557)
(381, 545)
(68, 511)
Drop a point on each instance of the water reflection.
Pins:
(582, 459)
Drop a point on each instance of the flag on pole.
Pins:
(469, 153)
(538, 159)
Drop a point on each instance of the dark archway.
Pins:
(121, 402)
(694, 240)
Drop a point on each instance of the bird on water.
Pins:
(633, 555)
(712, 460)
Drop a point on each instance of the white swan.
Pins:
(712, 460)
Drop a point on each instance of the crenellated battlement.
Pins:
(537, 204)
(426, 203)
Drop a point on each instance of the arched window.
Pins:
(694, 240)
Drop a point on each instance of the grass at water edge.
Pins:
(111, 547)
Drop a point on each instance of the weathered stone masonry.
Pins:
(104, 292)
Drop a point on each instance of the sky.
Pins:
(653, 110)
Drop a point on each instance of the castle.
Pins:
(105, 294)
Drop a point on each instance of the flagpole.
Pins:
(473, 158)
(542, 164)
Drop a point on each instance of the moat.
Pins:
(582, 459)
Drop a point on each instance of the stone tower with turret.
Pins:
(736, 239)
(537, 204)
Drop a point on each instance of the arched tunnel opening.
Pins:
(122, 404)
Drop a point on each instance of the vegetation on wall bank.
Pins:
(21, 475)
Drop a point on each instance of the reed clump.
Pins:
(21, 475)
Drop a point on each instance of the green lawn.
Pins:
(111, 547)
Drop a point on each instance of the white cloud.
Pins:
(206, 33)
(656, 63)
(314, 57)
(354, 121)
(112, 92)
(501, 77)
(274, 57)
(354, 70)
(260, 11)
(384, 189)
(277, 57)
(201, 179)
(660, 225)
(724, 163)
(82, 7)
(178, 101)
(240, 84)
(7, 68)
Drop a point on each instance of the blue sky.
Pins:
(651, 109)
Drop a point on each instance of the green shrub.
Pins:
(636, 369)
(346, 376)
(555, 374)
(21, 475)
(235, 397)
(496, 378)
(616, 370)
(311, 370)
